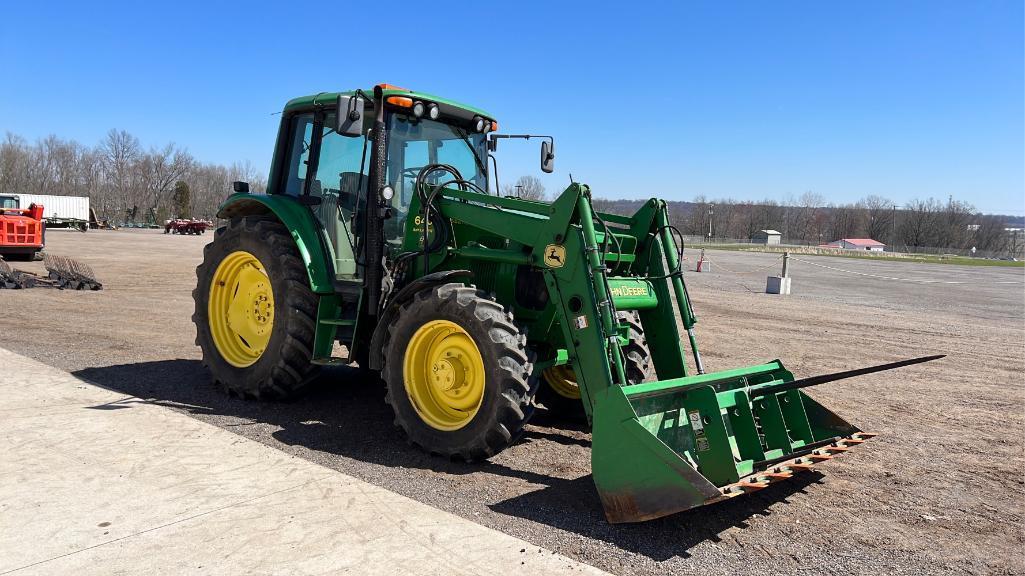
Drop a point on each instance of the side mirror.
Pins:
(349, 117)
(240, 186)
(547, 157)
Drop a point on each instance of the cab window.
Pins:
(301, 131)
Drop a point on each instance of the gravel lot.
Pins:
(940, 490)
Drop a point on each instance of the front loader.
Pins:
(380, 232)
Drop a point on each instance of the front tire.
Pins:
(457, 373)
(254, 310)
(559, 391)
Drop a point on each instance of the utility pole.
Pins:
(893, 223)
(786, 224)
(710, 212)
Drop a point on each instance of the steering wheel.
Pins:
(433, 178)
(441, 172)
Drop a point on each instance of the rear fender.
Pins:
(301, 223)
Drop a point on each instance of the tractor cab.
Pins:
(325, 160)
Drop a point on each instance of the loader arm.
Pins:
(690, 438)
(585, 295)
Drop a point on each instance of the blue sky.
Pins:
(745, 100)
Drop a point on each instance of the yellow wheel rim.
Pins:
(443, 372)
(240, 309)
(562, 379)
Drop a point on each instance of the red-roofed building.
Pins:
(858, 244)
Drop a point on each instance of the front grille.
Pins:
(19, 232)
(484, 274)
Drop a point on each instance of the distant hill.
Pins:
(1014, 221)
(679, 209)
(682, 209)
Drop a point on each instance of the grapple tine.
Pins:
(69, 273)
(719, 441)
(14, 279)
(7, 279)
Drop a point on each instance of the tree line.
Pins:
(932, 224)
(124, 181)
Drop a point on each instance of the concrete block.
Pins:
(777, 285)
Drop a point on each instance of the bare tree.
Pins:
(526, 187)
(880, 218)
(846, 222)
(807, 222)
(120, 152)
(14, 165)
(952, 228)
(918, 223)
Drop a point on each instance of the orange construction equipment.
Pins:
(21, 230)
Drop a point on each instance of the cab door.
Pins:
(334, 169)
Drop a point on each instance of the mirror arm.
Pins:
(494, 161)
(545, 160)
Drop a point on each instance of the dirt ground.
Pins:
(940, 490)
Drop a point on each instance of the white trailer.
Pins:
(57, 208)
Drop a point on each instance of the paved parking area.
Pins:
(96, 482)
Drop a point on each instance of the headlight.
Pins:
(387, 193)
(433, 111)
(418, 109)
(478, 124)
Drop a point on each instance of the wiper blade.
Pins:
(476, 158)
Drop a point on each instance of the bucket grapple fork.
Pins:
(686, 439)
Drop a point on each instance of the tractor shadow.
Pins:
(344, 414)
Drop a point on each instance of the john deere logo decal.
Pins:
(555, 255)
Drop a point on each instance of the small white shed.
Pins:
(766, 237)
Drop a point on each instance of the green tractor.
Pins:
(379, 231)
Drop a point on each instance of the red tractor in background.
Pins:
(22, 231)
(186, 226)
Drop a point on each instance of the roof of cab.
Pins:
(328, 97)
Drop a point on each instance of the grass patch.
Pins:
(885, 257)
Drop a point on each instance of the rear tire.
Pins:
(559, 392)
(426, 411)
(283, 367)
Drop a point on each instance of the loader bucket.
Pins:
(662, 447)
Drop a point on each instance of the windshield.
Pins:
(414, 143)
